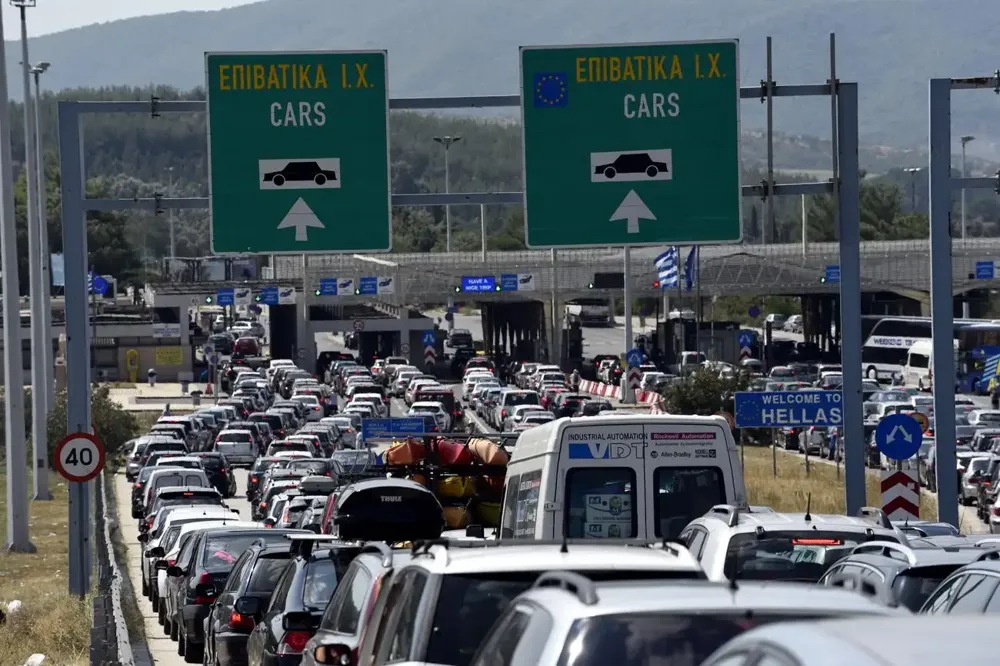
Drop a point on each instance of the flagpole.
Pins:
(696, 274)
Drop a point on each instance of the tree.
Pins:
(704, 392)
(114, 426)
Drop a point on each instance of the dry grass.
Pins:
(791, 489)
(50, 622)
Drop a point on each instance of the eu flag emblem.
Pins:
(551, 89)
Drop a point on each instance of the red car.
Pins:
(246, 347)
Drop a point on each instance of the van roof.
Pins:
(547, 438)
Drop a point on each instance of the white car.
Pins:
(416, 385)
(441, 415)
(472, 380)
(314, 410)
(381, 409)
(365, 409)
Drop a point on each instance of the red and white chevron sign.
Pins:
(901, 494)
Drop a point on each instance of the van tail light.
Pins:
(240, 622)
(294, 642)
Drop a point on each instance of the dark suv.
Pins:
(238, 608)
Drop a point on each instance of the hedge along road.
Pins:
(161, 648)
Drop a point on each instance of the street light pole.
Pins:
(46, 258)
(913, 171)
(965, 139)
(170, 213)
(446, 141)
(18, 535)
(39, 423)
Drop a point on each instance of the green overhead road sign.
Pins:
(635, 144)
(298, 152)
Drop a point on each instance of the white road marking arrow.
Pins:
(902, 431)
(300, 218)
(633, 209)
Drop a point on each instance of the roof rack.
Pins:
(574, 583)
(877, 515)
(989, 555)
(382, 549)
(728, 512)
(305, 542)
(886, 549)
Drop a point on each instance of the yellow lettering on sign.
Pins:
(713, 66)
(675, 68)
(615, 69)
(281, 76)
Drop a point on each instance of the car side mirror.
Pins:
(299, 621)
(155, 551)
(143, 538)
(251, 606)
(336, 654)
(175, 571)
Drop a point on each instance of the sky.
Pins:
(50, 16)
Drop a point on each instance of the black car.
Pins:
(632, 163)
(219, 472)
(299, 599)
(273, 421)
(257, 473)
(300, 172)
(241, 603)
(201, 570)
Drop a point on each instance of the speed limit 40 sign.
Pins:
(79, 457)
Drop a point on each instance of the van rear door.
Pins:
(689, 468)
(600, 482)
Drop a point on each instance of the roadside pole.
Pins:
(628, 395)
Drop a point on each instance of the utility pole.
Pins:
(39, 422)
(446, 141)
(18, 538)
(913, 171)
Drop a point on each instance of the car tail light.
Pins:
(171, 563)
(223, 471)
(205, 590)
(138, 485)
(294, 642)
(263, 505)
(240, 622)
(149, 523)
(996, 511)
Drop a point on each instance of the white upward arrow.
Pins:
(633, 209)
(300, 218)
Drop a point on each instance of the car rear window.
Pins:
(911, 588)
(319, 584)
(660, 637)
(266, 572)
(802, 556)
(514, 399)
(221, 552)
(235, 437)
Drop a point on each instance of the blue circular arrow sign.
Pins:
(635, 357)
(898, 436)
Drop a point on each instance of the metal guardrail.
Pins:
(111, 644)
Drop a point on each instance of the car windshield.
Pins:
(798, 556)
(638, 639)
(474, 602)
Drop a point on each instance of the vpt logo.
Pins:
(603, 451)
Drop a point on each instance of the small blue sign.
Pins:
(389, 428)
(429, 338)
(833, 274)
(635, 357)
(508, 282)
(98, 285)
(479, 284)
(368, 286)
(754, 312)
(226, 296)
(745, 338)
(328, 287)
(788, 409)
(898, 436)
(269, 296)
(985, 270)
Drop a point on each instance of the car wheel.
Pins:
(652, 171)
(278, 181)
(181, 647)
(609, 173)
(145, 587)
(320, 179)
(161, 615)
(173, 630)
(193, 653)
(154, 599)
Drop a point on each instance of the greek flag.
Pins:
(90, 282)
(667, 269)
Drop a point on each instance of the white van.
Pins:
(631, 476)
(919, 361)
